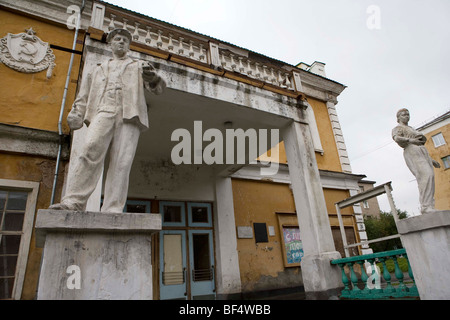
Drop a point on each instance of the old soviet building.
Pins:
(229, 231)
(437, 132)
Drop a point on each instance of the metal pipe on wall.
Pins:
(63, 103)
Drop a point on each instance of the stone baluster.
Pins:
(364, 277)
(180, 46)
(233, 63)
(191, 49)
(413, 289)
(346, 292)
(257, 71)
(280, 79)
(159, 41)
(287, 81)
(202, 55)
(148, 37)
(170, 45)
(399, 275)
(111, 25)
(272, 77)
(136, 31)
(223, 61)
(386, 276)
(241, 66)
(354, 279)
(265, 74)
(125, 24)
(249, 69)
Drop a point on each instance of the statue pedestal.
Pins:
(95, 255)
(426, 239)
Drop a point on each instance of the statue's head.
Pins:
(403, 113)
(119, 40)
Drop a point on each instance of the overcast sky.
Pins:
(389, 54)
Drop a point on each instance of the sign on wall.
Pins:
(293, 246)
(291, 242)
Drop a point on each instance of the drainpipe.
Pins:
(63, 103)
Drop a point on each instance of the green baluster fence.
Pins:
(379, 285)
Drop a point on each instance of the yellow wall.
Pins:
(37, 169)
(261, 265)
(442, 175)
(32, 100)
(329, 160)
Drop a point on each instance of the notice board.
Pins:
(292, 246)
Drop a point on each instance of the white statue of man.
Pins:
(112, 104)
(417, 159)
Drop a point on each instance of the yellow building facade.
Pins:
(266, 239)
(437, 132)
(30, 105)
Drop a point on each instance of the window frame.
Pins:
(438, 137)
(445, 160)
(32, 188)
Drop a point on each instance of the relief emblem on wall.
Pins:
(25, 52)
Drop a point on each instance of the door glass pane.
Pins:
(173, 260)
(172, 214)
(202, 267)
(199, 214)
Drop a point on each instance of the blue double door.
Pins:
(186, 251)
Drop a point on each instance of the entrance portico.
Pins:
(221, 103)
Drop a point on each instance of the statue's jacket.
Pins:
(93, 87)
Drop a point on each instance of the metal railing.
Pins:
(370, 286)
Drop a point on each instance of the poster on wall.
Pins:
(293, 245)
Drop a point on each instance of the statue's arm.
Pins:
(398, 137)
(78, 111)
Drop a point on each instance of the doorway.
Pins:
(186, 267)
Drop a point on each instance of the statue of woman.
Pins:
(417, 159)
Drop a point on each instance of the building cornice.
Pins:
(15, 139)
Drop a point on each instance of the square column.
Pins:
(228, 274)
(95, 256)
(321, 279)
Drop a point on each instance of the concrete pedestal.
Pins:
(426, 239)
(93, 255)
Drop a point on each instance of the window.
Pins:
(17, 207)
(446, 161)
(438, 140)
(173, 213)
